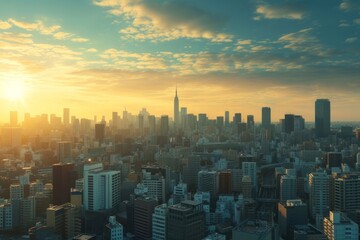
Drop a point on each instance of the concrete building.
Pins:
(6, 217)
(287, 188)
(339, 227)
(185, 220)
(291, 213)
(159, 222)
(113, 230)
(64, 152)
(322, 117)
(249, 169)
(64, 177)
(319, 194)
(347, 193)
(208, 181)
(143, 210)
(88, 168)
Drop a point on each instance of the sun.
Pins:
(14, 90)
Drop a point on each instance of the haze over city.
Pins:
(109, 55)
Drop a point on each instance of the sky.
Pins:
(100, 56)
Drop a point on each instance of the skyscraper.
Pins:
(159, 222)
(176, 111)
(66, 117)
(289, 123)
(100, 132)
(319, 194)
(322, 117)
(250, 121)
(64, 177)
(164, 125)
(227, 119)
(266, 117)
(13, 118)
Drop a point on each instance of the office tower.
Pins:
(333, 159)
(291, 213)
(236, 177)
(64, 220)
(6, 217)
(337, 227)
(100, 132)
(289, 123)
(27, 212)
(11, 137)
(64, 152)
(236, 120)
(180, 193)
(191, 122)
(66, 117)
(115, 120)
(266, 118)
(113, 230)
(176, 111)
(88, 168)
(64, 177)
(220, 122)
(249, 169)
(103, 190)
(322, 117)
(143, 210)
(287, 188)
(185, 220)
(227, 119)
(202, 120)
(225, 182)
(247, 187)
(319, 194)
(347, 193)
(208, 182)
(250, 121)
(125, 121)
(155, 184)
(159, 222)
(141, 123)
(299, 123)
(164, 125)
(152, 124)
(183, 118)
(13, 118)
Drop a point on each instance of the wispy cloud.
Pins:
(350, 5)
(4, 25)
(166, 21)
(351, 40)
(289, 10)
(80, 40)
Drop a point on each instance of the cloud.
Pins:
(303, 41)
(289, 10)
(62, 35)
(351, 40)
(92, 50)
(16, 37)
(166, 21)
(357, 21)
(4, 25)
(350, 5)
(244, 42)
(80, 40)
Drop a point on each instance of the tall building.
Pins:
(185, 220)
(347, 193)
(88, 168)
(225, 182)
(100, 132)
(103, 189)
(152, 125)
(339, 227)
(202, 120)
(287, 188)
(266, 117)
(322, 117)
(289, 123)
(164, 125)
(290, 214)
(227, 119)
(143, 210)
(66, 117)
(6, 217)
(64, 177)
(236, 120)
(155, 184)
(319, 194)
(250, 121)
(176, 111)
(159, 222)
(64, 152)
(115, 120)
(208, 181)
(13, 118)
(249, 169)
(183, 117)
(113, 230)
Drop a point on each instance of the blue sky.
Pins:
(107, 55)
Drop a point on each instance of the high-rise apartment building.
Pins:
(319, 194)
(249, 169)
(347, 193)
(339, 227)
(322, 117)
(159, 222)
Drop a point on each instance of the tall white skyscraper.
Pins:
(103, 190)
(87, 169)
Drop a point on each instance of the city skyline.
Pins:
(100, 56)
